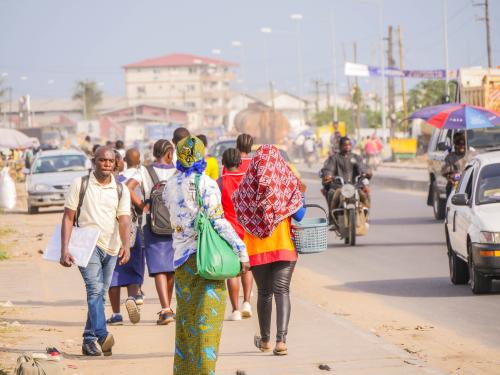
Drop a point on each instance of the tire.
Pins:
(352, 227)
(32, 210)
(438, 204)
(479, 284)
(459, 271)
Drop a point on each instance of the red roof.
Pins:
(178, 59)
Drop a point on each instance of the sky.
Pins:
(47, 45)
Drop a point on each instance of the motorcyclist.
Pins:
(343, 164)
(454, 162)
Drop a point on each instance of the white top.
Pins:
(100, 209)
(180, 199)
(142, 176)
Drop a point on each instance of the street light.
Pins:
(239, 45)
(297, 17)
(266, 30)
(216, 51)
(379, 4)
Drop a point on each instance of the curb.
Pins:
(384, 181)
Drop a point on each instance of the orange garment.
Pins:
(277, 247)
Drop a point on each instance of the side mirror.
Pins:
(442, 146)
(460, 200)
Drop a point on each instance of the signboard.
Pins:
(91, 128)
(160, 131)
(362, 70)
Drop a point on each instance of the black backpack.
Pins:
(159, 216)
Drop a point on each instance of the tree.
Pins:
(428, 93)
(90, 97)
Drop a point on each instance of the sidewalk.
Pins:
(49, 303)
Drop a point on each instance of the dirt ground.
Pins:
(52, 315)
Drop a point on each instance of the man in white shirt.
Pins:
(106, 206)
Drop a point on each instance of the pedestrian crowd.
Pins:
(148, 217)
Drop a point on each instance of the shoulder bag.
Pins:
(215, 258)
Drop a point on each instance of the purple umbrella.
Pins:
(458, 116)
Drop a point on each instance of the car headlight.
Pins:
(348, 190)
(489, 237)
(41, 187)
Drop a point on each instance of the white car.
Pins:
(50, 175)
(472, 224)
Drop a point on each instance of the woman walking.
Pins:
(268, 197)
(131, 274)
(158, 248)
(200, 302)
(228, 183)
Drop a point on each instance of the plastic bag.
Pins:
(7, 190)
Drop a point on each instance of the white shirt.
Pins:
(100, 208)
(142, 176)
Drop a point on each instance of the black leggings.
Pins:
(273, 278)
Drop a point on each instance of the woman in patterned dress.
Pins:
(200, 302)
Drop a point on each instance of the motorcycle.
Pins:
(350, 219)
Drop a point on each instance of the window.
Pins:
(62, 163)
(141, 90)
(488, 185)
(192, 70)
(465, 180)
(190, 87)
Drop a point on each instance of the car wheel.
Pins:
(459, 272)
(32, 210)
(438, 205)
(478, 283)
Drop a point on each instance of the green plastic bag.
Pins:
(215, 258)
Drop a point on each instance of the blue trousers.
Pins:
(97, 276)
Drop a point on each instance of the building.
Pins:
(198, 84)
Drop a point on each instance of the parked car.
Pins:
(50, 175)
(472, 224)
(478, 141)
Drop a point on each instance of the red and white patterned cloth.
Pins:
(268, 193)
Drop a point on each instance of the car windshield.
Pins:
(484, 138)
(59, 163)
(488, 186)
(219, 148)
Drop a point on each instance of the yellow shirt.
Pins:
(212, 169)
(100, 208)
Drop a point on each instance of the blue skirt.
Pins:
(159, 252)
(131, 272)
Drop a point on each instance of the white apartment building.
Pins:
(198, 84)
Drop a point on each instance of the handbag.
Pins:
(215, 258)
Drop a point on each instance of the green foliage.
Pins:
(372, 118)
(428, 93)
(89, 95)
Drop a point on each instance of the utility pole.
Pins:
(486, 20)
(10, 106)
(316, 94)
(334, 69)
(403, 83)
(327, 86)
(445, 27)
(272, 117)
(390, 84)
(357, 113)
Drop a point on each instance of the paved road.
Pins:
(403, 261)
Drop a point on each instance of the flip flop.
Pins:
(257, 340)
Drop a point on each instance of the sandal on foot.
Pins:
(280, 349)
(261, 345)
